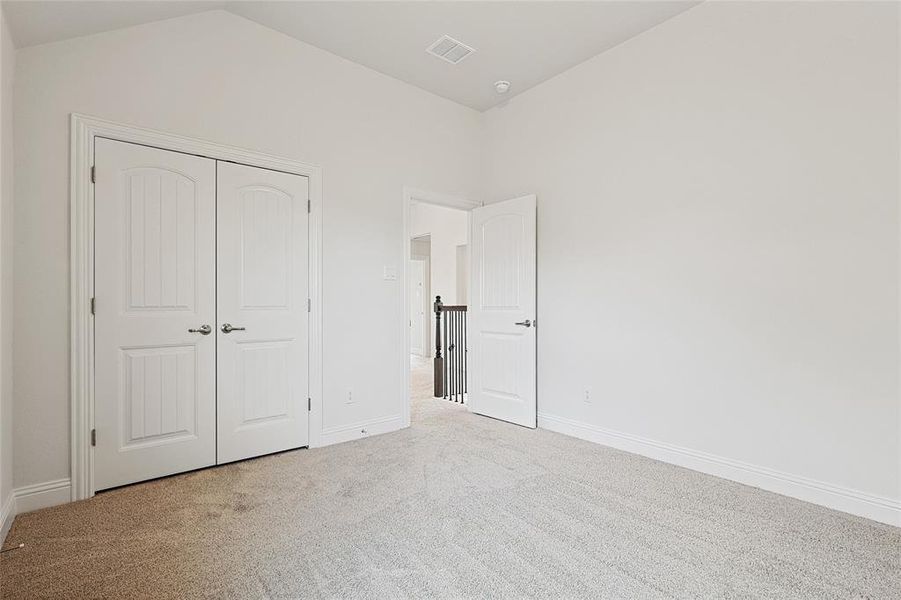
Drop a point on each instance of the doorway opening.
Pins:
(438, 271)
(480, 334)
(436, 242)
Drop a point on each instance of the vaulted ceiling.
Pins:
(524, 43)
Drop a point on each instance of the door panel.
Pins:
(158, 399)
(262, 288)
(502, 311)
(154, 280)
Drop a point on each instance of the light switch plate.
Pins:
(389, 274)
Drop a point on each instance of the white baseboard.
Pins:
(7, 514)
(878, 508)
(42, 495)
(356, 431)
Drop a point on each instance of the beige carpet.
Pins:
(456, 506)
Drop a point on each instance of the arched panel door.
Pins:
(154, 287)
(502, 344)
(263, 327)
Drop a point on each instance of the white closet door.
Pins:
(502, 370)
(263, 325)
(154, 275)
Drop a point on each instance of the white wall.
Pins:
(446, 228)
(463, 273)
(718, 244)
(219, 77)
(7, 71)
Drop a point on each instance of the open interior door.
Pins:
(502, 349)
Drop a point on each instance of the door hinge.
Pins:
(93, 437)
(309, 206)
(309, 405)
(309, 305)
(93, 307)
(93, 174)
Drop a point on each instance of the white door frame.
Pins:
(412, 196)
(83, 130)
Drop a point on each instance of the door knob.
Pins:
(228, 328)
(202, 330)
(526, 323)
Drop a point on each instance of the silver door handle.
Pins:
(202, 330)
(526, 323)
(228, 328)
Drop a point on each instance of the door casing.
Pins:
(83, 131)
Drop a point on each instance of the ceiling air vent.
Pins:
(449, 49)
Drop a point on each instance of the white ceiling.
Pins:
(35, 22)
(522, 42)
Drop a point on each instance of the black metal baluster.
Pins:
(462, 355)
(447, 358)
(453, 372)
(459, 364)
(451, 350)
(459, 385)
(465, 354)
(453, 354)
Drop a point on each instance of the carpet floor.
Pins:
(456, 506)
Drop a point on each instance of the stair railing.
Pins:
(450, 363)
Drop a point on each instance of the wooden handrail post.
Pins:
(439, 360)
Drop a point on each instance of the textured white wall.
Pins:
(718, 236)
(7, 71)
(222, 78)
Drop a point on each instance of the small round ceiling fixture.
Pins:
(501, 87)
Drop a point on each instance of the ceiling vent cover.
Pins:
(449, 49)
